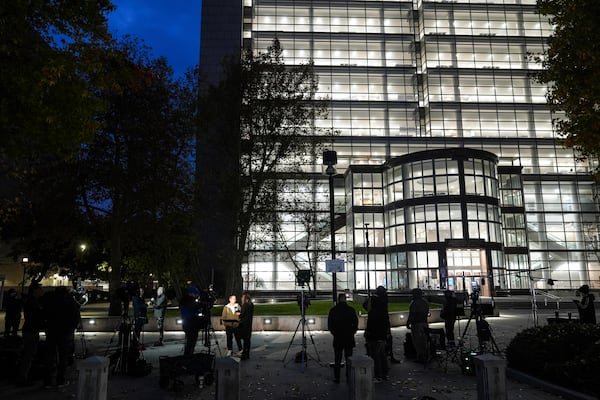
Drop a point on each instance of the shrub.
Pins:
(566, 354)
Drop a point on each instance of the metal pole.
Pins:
(332, 229)
(367, 259)
(533, 300)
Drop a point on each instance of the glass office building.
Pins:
(449, 172)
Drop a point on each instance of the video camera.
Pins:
(203, 304)
(303, 277)
(475, 295)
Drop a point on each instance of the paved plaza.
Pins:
(271, 374)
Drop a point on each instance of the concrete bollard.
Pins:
(491, 377)
(361, 377)
(93, 378)
(228, 378)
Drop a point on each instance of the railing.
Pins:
(550, 296)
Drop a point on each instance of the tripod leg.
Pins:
(312, 339)
(292, 341)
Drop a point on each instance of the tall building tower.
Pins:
(449, 172)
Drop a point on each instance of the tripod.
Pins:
(484, 331)
(124, 329)
(83, 353)
(209, 336)
(303, 355)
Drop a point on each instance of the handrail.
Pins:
(547, 296)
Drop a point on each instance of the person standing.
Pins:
(62, 317)
(381, 293)
(12, 318)
(34, 323)
(342, 322)
(140, 316)
(191, 322)
(160, 308)
(378, 326)
(245, 327)
(231, 321)
(418, 311)
(448, 314)
(585, 306)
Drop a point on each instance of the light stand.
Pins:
(330, 159)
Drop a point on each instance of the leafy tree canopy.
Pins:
(46, 53)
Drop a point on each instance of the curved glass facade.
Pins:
(432, 220)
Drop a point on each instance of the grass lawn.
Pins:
(316, 307)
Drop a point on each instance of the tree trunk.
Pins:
(115, 307)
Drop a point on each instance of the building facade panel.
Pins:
(412, 79)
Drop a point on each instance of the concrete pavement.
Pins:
(271, 374)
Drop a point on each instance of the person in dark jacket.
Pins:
(62, 317)
(381, 293)
(418, 311)
(12, 318)
(378, 326)
(245, 328)
(585, 306)
(34, 323)
(140, 316)
(189, 306)
(342, 322)
(448, 314)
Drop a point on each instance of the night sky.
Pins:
(171, 28)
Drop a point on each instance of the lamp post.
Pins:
(24, 262)
(330, 159)
(367, 259)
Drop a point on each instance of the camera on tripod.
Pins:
(303, 277)
(475, 295)
(203, 304)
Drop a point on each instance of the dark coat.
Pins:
(61, 313)
(342, 322)
(448, 312)
(378, 321)
(246, 315)
(189, 313)
(418, 311)
(587, 311)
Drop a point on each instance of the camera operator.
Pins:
(448, 314)
(140, 316)
(192, 316)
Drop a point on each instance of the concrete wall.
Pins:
(260, 323)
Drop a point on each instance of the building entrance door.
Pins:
(467, 270)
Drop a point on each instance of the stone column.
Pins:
(228, 378)
(491, 377)
(361, 377)
(93, 378)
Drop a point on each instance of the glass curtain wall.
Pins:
(410, 76)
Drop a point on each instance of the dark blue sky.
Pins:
(170, 27)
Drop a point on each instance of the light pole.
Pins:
(367, 259)
(330, 159)
(24, 262)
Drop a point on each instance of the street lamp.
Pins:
(24, 262)
(330, 160)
